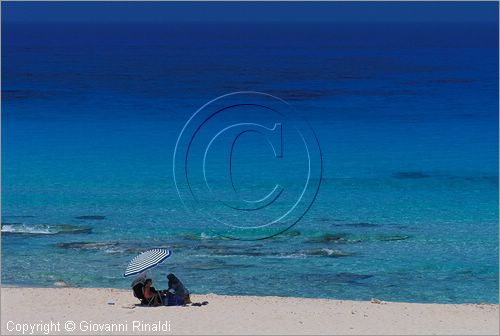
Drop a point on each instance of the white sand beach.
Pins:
(88, 310)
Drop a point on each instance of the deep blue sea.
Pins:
(406, 115)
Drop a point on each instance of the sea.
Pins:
(404, 116)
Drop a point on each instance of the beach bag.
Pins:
(187, 299)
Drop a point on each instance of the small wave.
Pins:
(326, 252)
(295, 255)
(115, 250)
(89, 245)
(201, 236)
(322, 252)
(43, 229)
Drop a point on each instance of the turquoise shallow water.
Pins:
(406, 119)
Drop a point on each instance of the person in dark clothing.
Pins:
(177, 293)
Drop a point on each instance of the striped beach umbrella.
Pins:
(146, 260)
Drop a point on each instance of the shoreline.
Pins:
(253, 296)
(240, 315)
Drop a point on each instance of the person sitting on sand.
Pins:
(177, 293)
(151, 294)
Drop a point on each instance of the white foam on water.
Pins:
(29, 229)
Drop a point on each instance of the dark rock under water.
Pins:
(360, 225)
(224, 251)
(347, 277)
(339, 278)
(17, 216)
(328, 238)
(112, 247)
(342, 238)
(410, 175)
(285, 236)
(213, 265)
(91, 217)
(392, 238)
